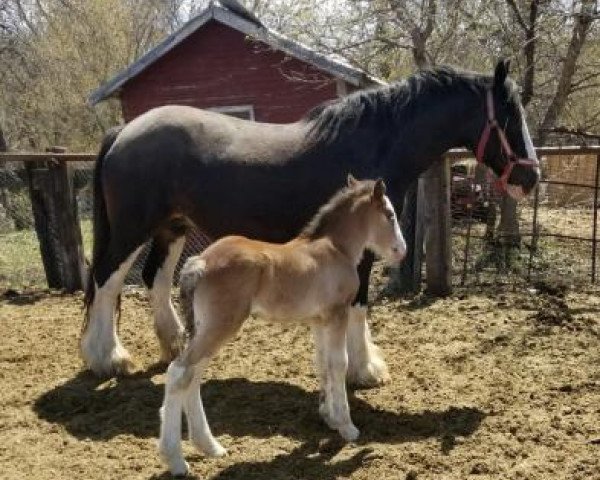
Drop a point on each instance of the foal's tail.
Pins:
(191, 272)
(101, 225)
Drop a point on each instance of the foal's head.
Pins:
(384, 236)
(360, 216)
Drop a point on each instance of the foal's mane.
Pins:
(334, 208)
(385, 106)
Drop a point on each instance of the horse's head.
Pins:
(384, 236)
(504, 143)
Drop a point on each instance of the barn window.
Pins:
(245, 112)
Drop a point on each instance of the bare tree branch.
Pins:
(581, 27)
(573, 131)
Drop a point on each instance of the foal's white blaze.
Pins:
(399, 248)
(101, 348)
(166, 322)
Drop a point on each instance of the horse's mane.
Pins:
(332, 210)
(389, 104)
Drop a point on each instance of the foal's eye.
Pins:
(389, 215)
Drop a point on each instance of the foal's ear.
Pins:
(379, 189)
(351, 180)
(501, 72)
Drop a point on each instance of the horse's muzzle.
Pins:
(523, 179)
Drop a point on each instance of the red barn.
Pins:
(225, 59)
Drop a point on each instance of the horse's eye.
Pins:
(389, 215)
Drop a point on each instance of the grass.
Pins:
(21, 264)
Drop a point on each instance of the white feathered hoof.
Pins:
(370, 374)
(366, 367)
(179, 468)
(116, 363)
(173, 458)
(213, 449)
(170, 352)
(349, 432)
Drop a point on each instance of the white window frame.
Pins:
(235, 109)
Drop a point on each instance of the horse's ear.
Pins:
(379, 189)
(501, 72)
(351, 180)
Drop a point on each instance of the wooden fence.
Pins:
(56, 218)
(50, 183)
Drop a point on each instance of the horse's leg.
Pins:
(337, 366)
(101, 348)
(182, 393)
(178, 379)
(182, 387)
(366, 366)
(325, 407)
(198, 428)
(158, 277)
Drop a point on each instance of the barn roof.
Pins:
(232, 14)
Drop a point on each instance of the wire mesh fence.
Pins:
(554, 233)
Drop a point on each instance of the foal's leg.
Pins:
(198, 428)
(182, 393)
(101, 348)
(366, 366)
(337, 366)
(182, 387)
(325, 407)
(178, 380)
(158, 277)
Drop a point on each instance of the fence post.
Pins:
(595, 227)
(57, 222)
(438, 246)
(407, 278)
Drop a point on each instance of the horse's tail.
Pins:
(191, 273)
(100, 221)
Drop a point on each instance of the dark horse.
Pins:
(175, 166)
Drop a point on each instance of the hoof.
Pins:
(324, 413)
(120, 366)
(349, 432)
(170, 352)
(174, 460)
(210, 449)
(215, 450)
(373, 374)
(179, 468)
(125, 366)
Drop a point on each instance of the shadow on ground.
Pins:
(90, 408)
(14, 297)
(309, 460)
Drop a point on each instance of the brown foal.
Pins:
(311, 279)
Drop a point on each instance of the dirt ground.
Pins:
(493, 384)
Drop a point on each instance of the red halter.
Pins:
(513, 160)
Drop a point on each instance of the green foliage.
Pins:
(19, 210)
(61, 52)
(20, 259)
